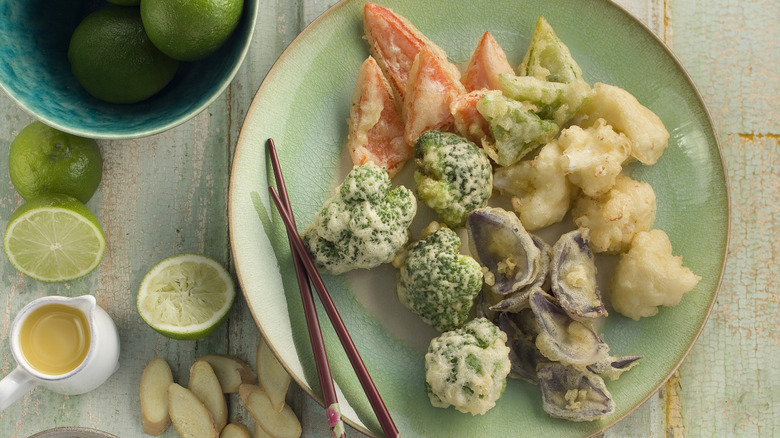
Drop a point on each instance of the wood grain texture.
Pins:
(732, 51)
(167, 194)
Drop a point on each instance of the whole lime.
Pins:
(189, 30)
(113, 58)
(43, 160)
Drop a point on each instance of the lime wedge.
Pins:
(186, 296)
(54, 238)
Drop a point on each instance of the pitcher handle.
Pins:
(13, 386)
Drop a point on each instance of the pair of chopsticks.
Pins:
(305, 272)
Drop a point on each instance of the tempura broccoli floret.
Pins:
(467, 367)
(436, 282)
(453, 175)
(364, 224)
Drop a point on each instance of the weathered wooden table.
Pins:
(168, 194)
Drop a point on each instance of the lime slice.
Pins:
(186, 296)
(54, 238)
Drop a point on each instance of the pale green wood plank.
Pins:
(160, 196)
(649, 12)
(175, 205)
(731, 49)
(730, 377)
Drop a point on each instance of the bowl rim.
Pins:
(250, 6)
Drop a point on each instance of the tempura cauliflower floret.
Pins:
(436, 282)
(541, 193)
(453, 175)
(648, 275)
(364, 224)
(467, 367)
(615, 217)
(622, 111)
(593, 157)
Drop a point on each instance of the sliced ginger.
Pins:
(154, 396)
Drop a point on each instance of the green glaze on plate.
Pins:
(303, 105)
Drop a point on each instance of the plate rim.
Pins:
(685, 75)
(84, 432)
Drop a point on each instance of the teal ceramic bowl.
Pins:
(35, 73)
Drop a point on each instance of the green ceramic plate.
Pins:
(303, 104)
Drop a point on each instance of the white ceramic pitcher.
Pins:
(101, 361)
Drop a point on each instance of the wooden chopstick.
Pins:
(338, 324)
(333, 412)
(299, 250)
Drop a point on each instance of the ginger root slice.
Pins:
(272, 376)
(279, 424)
(235, 430)
(205, 385)
(154, 396)
(189, 415)
(231, 371)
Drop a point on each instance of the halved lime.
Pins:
(54, 238)
(186, 296)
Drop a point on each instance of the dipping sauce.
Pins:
(55, 338)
